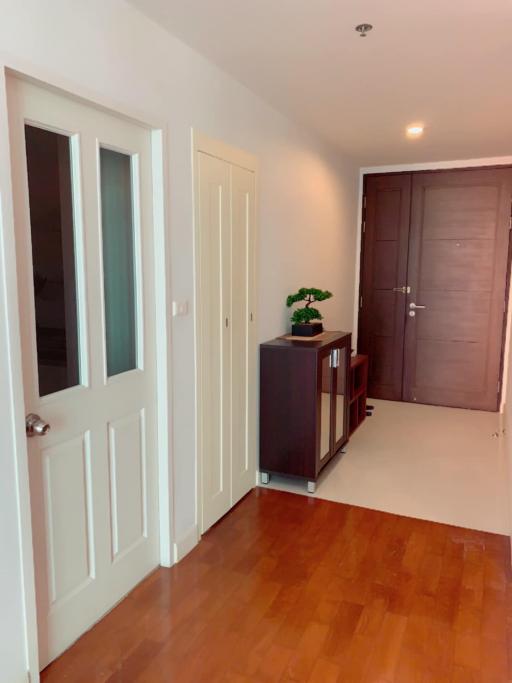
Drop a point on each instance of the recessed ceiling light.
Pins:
(415, 130)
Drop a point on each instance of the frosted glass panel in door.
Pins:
(118, 261)
(48, 158)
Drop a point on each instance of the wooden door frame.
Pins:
(237, 157)
(455, 165)
(13, 437)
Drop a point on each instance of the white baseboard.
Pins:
(186, 543)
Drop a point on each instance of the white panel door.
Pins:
(226, 350)
(243, 343)
(83, 212)
(214, 358)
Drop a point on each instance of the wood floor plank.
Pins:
(325, 671)
(386, 650)
(287, 588)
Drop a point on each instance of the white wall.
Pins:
(506, 407)
(507, 418)
(12, 630)
(306, 235)
(107, 51)
(16, 568)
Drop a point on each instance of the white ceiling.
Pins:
(447, 63)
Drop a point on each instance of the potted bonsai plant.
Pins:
(302, 318)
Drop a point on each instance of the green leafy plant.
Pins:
(310, 295)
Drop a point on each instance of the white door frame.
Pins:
(14, 423)
(428, 166)
(237, 157)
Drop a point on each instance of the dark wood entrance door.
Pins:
(456, 257)
(383, 277)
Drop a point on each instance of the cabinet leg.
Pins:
(265, 477)
(311, 486)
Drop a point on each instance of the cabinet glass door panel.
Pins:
(325, 408)
(340, 397)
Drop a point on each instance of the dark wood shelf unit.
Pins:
(304, 418)
(358, 391)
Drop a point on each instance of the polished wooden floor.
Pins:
(291, 588)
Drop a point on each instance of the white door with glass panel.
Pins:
(83, 215)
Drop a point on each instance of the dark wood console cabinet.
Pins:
(303, 404)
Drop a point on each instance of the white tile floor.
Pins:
(441, 464)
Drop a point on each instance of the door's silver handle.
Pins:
(34, 426)
(415, 307)
(403, 290)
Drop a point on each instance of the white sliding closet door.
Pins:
(215, 285)
(243, 347)
(226, 358)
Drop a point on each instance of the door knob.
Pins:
(415, 307)
(34, 426)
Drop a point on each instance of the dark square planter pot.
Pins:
(307, 329)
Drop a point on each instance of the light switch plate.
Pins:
(179, 308)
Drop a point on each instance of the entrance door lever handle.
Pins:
(415, 307)
(403, 290)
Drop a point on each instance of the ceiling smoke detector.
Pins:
(363, 29)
